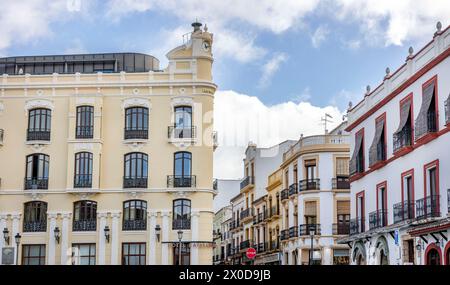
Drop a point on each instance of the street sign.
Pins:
(251, 253)
(8, 255)
(396, 237)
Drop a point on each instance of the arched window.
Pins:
(39, 124)
(83, 170)
(136, 170)
(35, 216)
(182, 170)
(134, 215)
(37, 171)
(85, 122)
(85, 216)
(136, 123)
(181, 214)
(433, 257)
(183, 122)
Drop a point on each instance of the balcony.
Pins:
(235, 250)
(284, 234)
(215, 187)
(285, 194)
(35, 226)
(247, 183)
(274, 211)
(134, 225)
(341, 229)
(244, 245)
(82, 181)
(215, 137)
(133, 182)
(181, 224)
(36, 184)
(234, 224)
(378, 219)
(38, 135)
(84, 225)
(174, 132)
(247, 213)
(402, 139)
(309, 184)
(357, 226)
(403, 211)
(1, 136)
(132, 134)
(340, 183)
(274, 245)
(306, 229)
(84, 132)
(178, 181)
(293, 189)
(261, 247)
(428, 207)
(259, 218)
(378, 157)
(430, 127)
(293, 232)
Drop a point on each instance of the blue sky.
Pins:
(290, 58)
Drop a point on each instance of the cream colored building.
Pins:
(105, 158)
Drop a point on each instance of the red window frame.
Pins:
(434, 80)
(403, 101)
(426, 167)
(361, 133)
(378, 119)
(404, 175)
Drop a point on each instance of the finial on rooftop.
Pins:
(388, 72)
(350, 105)
(439, 26)
(197, 25)
(367, 89)
(411, 51)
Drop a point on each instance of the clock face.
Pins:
(206, 46)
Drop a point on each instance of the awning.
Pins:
(376, 139)
(358, 144)
(421, 125)
(404, 115)
(343, 207)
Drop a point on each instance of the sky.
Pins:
(280, 65)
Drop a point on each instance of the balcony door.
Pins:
(183, 122)
(37, 171)
(181, 214)
(182, 169)
(83, 170)
(310, 167)
(35, 217)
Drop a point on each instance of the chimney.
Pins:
(197, 25)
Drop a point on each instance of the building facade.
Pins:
(220, 232)
(105, 159)
(315, 202)
(399, 141)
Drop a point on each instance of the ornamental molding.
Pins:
(135, 194)
(35, 196)
(135, 145)
(182, 100)
(181, 194)
(38, 146)
(85, 101)
(136, 102)
(38, 103)
(83, 146)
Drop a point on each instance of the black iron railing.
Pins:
(357, 226)
(36, 183)
(306, 229)
(249, 180)
(309, 184)
(403, 211)
(38, 135)
(35, 226)
(262, 247)
(293, 189)
(340, 183)
(284, 234)
(82, 181)
(178, 181)
(174, 132)
(428, 207)
(403, 138)
(84, 132)
(181, 224)
(135, 182)
(431, 121)
(274, 245)
(84, 225)
(285, 194)
(274, 211)
(293, 232)
(134, 225)
(342, 228)
(244, 245)
(134, 134)
(215, 182)
(378, 219)
(246, 213)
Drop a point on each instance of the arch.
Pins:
(134, 215)
(181, 214)
(83, 169)
(35, 216)
(447, 254)
(359, 253)
(84, 215)
(432, 252)
(382, 251)
(135, 170)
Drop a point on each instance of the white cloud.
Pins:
(270, 68)
(341, 100)
(76, 47)
(319, 36)
(265, 125)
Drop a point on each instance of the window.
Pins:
(182, 170)
(357, 161)
(33, 254)
(136, 170)
(343, 217)
(134, 215)
(183, 122)
(310, 213)
(35, 217)
(360, 215)
(136, 123)
(83, 170)
(133, 253)
(382, 205)
(403, 135)
(377, 151)
(39, 124)
(85, 122)
(37, 171)
(181, 214)
(83, 254)
(85, 216)
(426, 121)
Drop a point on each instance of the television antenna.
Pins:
(325, 120)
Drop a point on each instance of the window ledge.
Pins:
(378, 165)
(38, 142)
(135, 141)
(427, 138)
(403, 151)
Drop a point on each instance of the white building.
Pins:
(400, 162)
(226, 189)
(220, 234)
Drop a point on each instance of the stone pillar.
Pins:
(195, 215)
(101, 238)
(15, 230)
(153, 241)
(65, 250)
(165, 237)
(51, 238)
(114, 240)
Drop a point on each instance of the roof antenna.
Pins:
(326, 120)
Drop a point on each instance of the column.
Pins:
(51, 238)
(15, 230)
(3, 218)
(194, 237)
(153, 246)
(65, 250)
(115, 238)
(165, 238)
(101, 237)
(291, 213)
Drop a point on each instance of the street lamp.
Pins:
(180, 237)
(6, 235)
(311, 233)
(17, 238)
(57, 234)
(158, 232)
(107, 233)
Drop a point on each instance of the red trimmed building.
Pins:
(400, 165)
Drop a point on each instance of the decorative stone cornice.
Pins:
(182, 100)
(85, 101)
(136, 102)
(38, 103)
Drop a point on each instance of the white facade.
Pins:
(226, 190)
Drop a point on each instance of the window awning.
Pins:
(404, 115)
(310, 209)
(421, 125)
(358, 144)
(376, 139)
(343, 207)
(447, 110)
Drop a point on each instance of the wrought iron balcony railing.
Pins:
(84, 225)
(274, 245)
(246, 213)
(293, 232)
(134, 225)
(84, 132)
(178, 181)
(181, 224)
(357, 226)
(135, 134)
(215, 184)
(274, 211)
(174, 132)
(306, 229)
(284, 194)
(378, 219)
(249, 180)
(284, 234)
(36, 183)
(82, 181)
(342, 228)
(428, 207)
(340, 183)
(402, 139)
(403, 211)
(38, 135)
(261, 247)
(293, 189)
(135, 182)
(35, 226)
(309, 184)
(244, 245)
